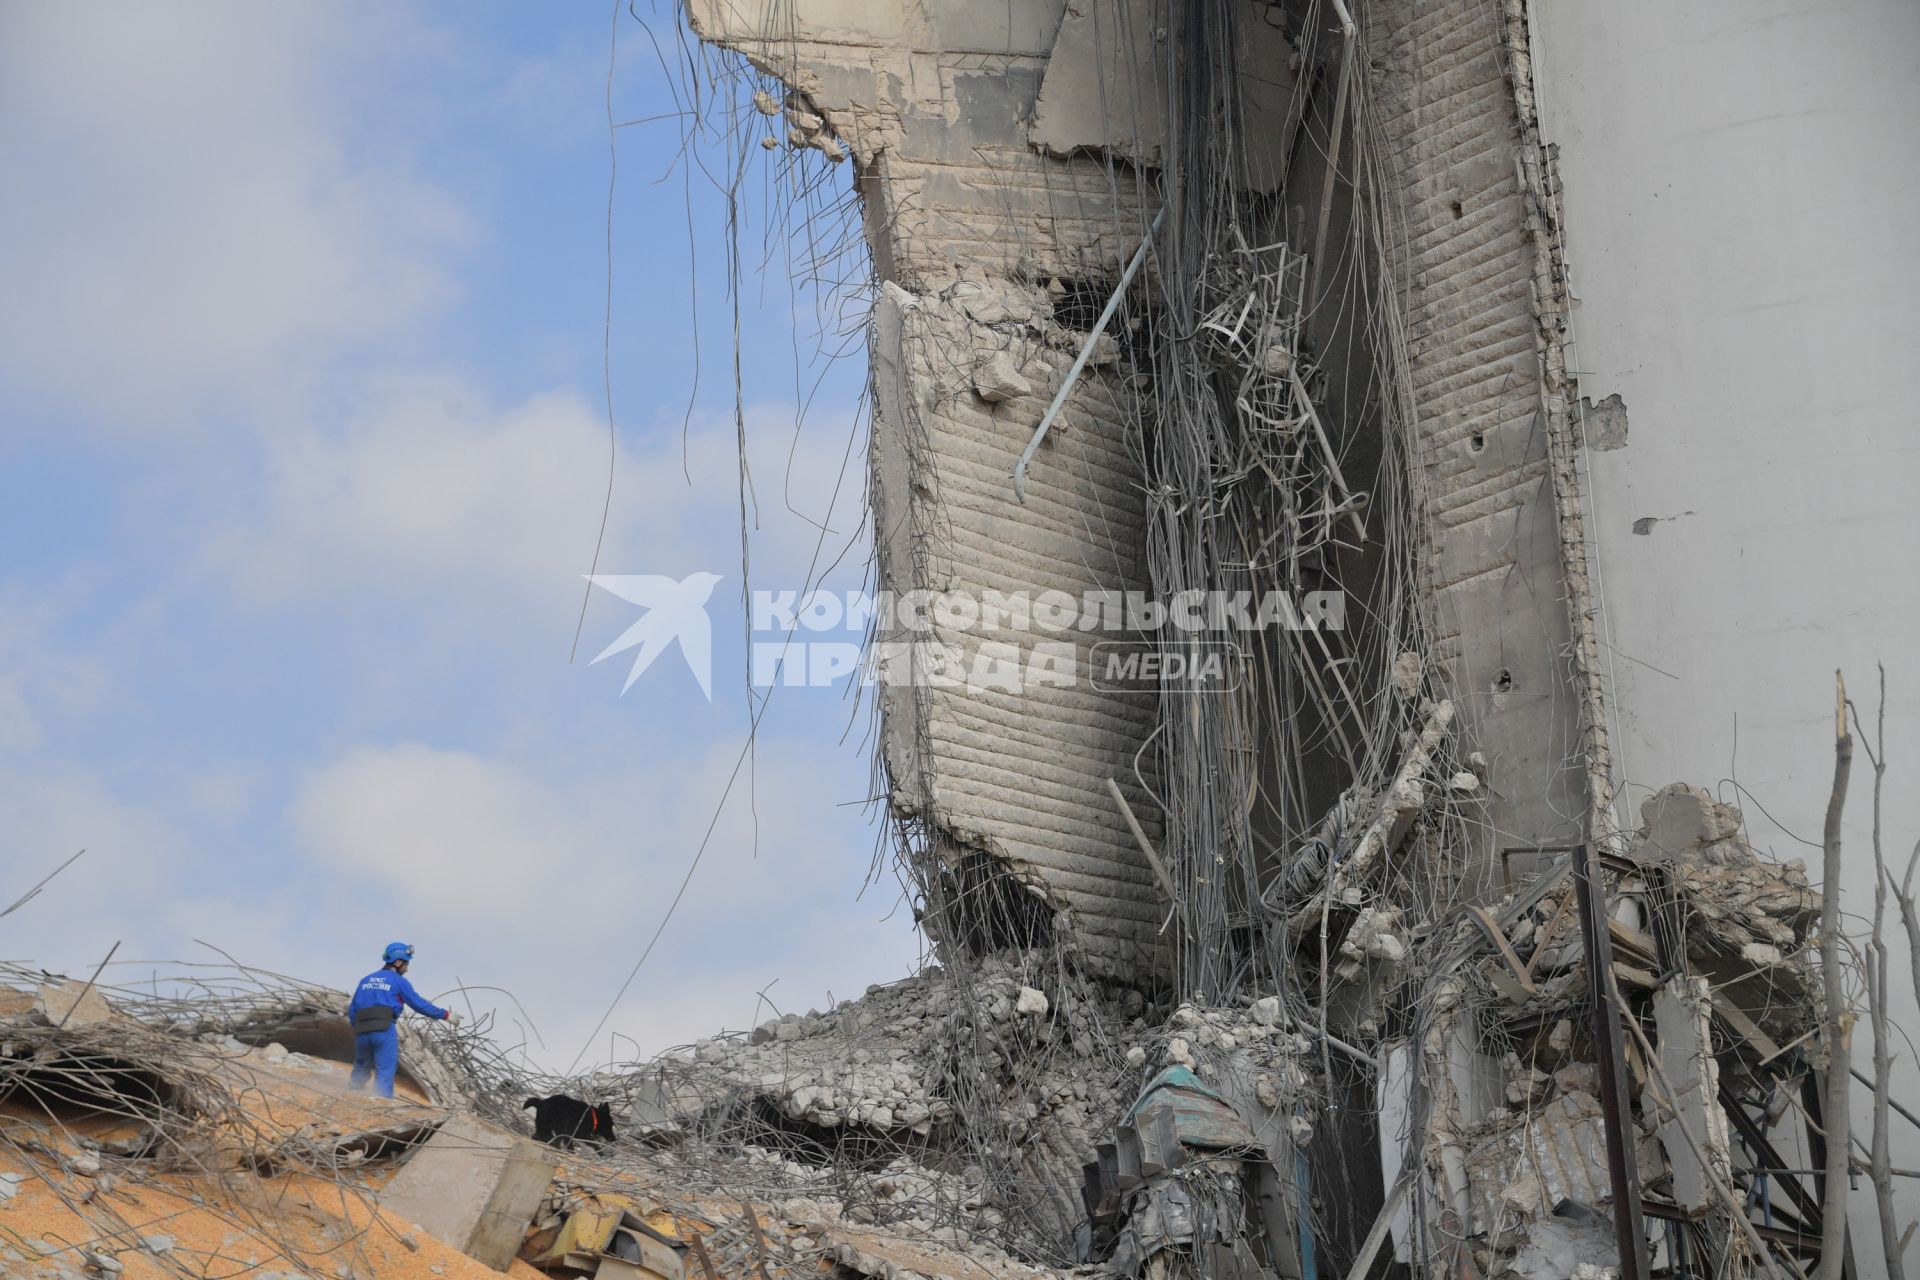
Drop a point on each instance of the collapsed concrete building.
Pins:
(1216, 302)
(1345, 963)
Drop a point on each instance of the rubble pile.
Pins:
(1711, 948)
(138, 1138)
(1746, 922)
(1113, 347)
(135, 1140)
(939, 1102)
(868, 1063)
(1008, 1118)
(957, 1108)
(300, 1016)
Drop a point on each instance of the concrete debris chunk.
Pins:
(1532, 1162)
(997, 377)
(1407, 672)
(1682, 1012)
(1574, 1236)
(1679, 819)
(475, 1186)
(1560, 1038)
(995, 302)
(71, 1004)
(1105, 82)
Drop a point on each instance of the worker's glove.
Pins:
(453, 1019)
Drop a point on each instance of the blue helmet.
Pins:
(396, 952)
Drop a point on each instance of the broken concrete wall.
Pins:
(1693, 1128)
(1451, 150)
(1003, 186)
(1001, 759)
(1105, 88)
(1702, 929)
(1001, 148)
(970, 225)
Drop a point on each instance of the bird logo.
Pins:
(675, 610)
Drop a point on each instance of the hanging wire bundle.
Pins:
(1262, 379)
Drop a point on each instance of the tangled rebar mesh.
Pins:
(1259, 365)
(108, 1087)
(184, 1082)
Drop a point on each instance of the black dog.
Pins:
(560, 1120)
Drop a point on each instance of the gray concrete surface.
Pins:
(1739, 190)
(475, 1186)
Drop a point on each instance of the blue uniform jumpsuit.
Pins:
(375, 1011)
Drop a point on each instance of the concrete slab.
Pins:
(72, 1004)
(1105, 87)
(1682, 1017)
(475, 1186)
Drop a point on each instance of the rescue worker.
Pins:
(374, 1011)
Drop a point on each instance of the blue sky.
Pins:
(305, 448)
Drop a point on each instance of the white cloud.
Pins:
(425, 483)
(133, 858)
(431, 490)
(458, 836)
(477, 839)
(205, 215)
(19, 728)
(42, 681)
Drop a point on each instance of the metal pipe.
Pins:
(1086, 352)
(1326, 448)
(1617, 1105)
(1333, 149)
(1146, 845)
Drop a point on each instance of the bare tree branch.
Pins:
(1839, 1019)
(1892, 1241)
